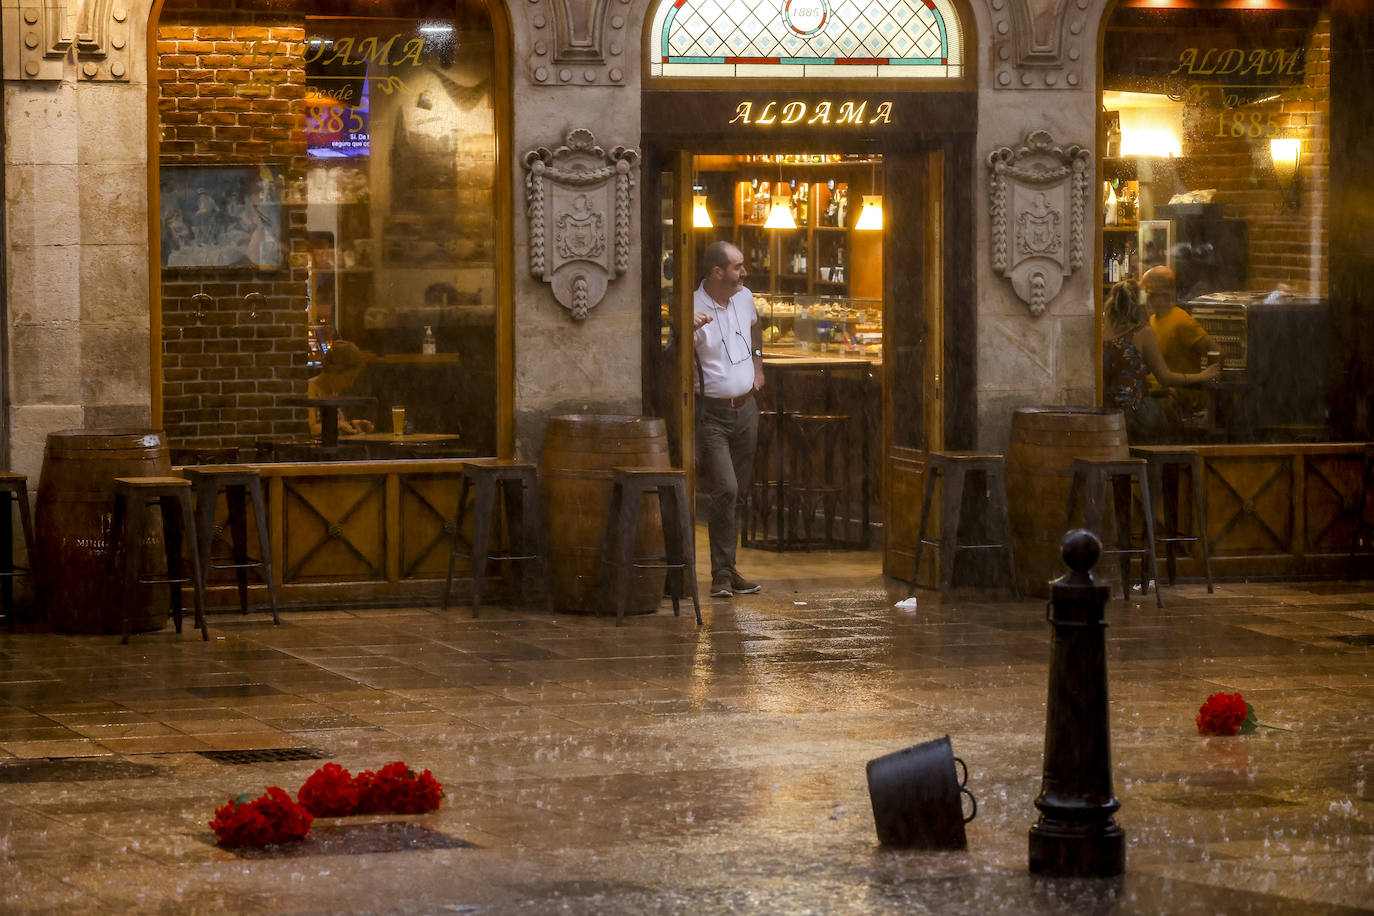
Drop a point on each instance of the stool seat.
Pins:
(130, 525)
(1163, 465)
(629, 486)
(1091, 477)
(239, 484)
(954, 468)
(15, 488)
(518, 483)
(153, 483)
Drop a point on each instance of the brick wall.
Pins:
(1285, 246)
(231, 91)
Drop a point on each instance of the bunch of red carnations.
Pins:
(329, 792)
(271, 818)
(1228, 714)
(394, 789)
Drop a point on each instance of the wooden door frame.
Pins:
(945, 297)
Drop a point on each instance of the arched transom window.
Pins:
(816, 39)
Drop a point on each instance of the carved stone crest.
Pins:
(1039, 196)
(578, 203)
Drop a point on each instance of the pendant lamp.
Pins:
(780, 216)
(701, 218)
(871, 215)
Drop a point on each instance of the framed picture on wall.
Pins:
(226, 216)
(1156, 240)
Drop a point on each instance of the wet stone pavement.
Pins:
(665, 768)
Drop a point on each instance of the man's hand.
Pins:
(700, 320)
(758, 375)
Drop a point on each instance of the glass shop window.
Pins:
(339, 161)
(1215, 132)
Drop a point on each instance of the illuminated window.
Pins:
(807, 38)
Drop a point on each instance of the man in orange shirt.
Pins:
(1182, 341)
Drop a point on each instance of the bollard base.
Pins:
(1064, 849)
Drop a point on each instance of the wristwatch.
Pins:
(758, 354)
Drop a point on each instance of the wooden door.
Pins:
(913, 361)
(669, 267)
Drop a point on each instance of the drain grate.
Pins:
(1366, 640)
(265, 755)
(75, 769)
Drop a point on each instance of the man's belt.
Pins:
(727, 402)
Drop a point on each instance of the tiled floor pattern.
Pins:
(662, 768)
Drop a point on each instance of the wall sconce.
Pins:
(1286, 153)
(780, 216)
(701, 217)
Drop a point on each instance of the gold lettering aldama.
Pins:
(849, 112)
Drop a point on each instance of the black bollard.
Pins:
(1076, 835)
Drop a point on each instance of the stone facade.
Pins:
(79, 326)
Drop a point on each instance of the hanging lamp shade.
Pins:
(701, 217)
(871, 214)
(780, 216)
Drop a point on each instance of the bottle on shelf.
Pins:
(832, 208)
(842, 209)
(427, 345)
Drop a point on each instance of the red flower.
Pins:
(1226, 714)
(330, 792)
(270, 818)
(396, 789)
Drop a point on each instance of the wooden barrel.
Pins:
(575, 482)
(75, 498)
(1044, 443)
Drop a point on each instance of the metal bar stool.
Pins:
(629, 486)
(1163, 463)
(239, 484)
(15, 488)
(130, 529)
(954, 468)
(813, 442)
(518, 482)
(1090, 480)
(1363, 527)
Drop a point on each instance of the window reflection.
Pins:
(379, 118)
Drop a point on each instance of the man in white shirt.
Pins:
(729, 361)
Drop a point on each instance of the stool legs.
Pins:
(518, 489)
(16, 491)
(237, 495)
(951, 504)
(679, 544)
(955, 475)
(526, 538)
(481, 536)
(926, 496)
(1200, 523)
(260, 517)
(1091, 486)
(129, 523)
(997, 487)
(463, 489)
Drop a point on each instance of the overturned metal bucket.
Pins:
(916, 797)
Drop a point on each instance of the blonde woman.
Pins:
(342, 365)
(1130, 354)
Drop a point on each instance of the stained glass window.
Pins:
(815, 39)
